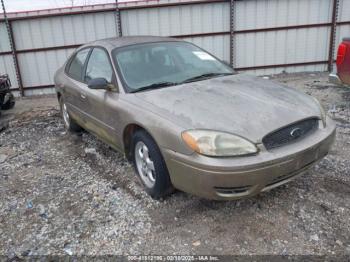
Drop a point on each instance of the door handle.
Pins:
(82, 95)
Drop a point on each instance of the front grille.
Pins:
(290, 133)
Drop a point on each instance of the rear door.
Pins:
(73, 87)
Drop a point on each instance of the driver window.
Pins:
(99, 66)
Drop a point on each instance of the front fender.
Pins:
(165, 133)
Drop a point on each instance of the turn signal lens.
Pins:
(190, 141)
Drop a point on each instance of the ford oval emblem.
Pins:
(296, 132)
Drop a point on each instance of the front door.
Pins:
(103, 117)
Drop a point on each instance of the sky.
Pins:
(26, 5)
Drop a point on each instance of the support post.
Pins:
(333, 34)
(118, 19)
(13, 50)
(232, 32)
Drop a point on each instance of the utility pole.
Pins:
(232, 33)
(118, 19)
(333, 33)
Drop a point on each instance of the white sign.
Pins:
(202, 55)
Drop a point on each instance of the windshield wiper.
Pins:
(204, 76)
(154, 86)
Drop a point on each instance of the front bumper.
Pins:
(237, 177)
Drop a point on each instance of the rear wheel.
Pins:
(68, 122)
(150, 166)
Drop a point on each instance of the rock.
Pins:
(42, 211)
(196, 243)
(347, 250)
(314, 237)
(338, 242)
(44, 216)
(284, 252)
(67, 249)
(30, 204)
(3, 158)
(90, 151)
(26, 253)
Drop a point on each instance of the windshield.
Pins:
(162, 64)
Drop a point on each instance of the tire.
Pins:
(69, 124)
(9, 104)
(156, 181)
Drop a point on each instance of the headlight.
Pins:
(214, 143)
(322, 111)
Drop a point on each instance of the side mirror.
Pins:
(101, 83)
(98, 83)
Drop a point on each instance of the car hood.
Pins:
(244, 105)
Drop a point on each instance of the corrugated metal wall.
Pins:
(44, 42)
(282, 46)
(218, 45)
(38, 68)
(6, 60)
(183, 20)
(63, 30)
(4, 43)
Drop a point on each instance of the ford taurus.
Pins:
(187, 120)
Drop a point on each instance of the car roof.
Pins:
(114, 42)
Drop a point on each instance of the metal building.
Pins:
(258, 36)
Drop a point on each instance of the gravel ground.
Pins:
(72, 194)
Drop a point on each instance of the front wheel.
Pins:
(150, 166)
(68, 122)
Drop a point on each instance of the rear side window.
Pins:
(76, 66)
(99, 66)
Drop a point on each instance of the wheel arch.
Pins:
(128, 133)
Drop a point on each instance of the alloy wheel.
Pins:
(144, 164)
